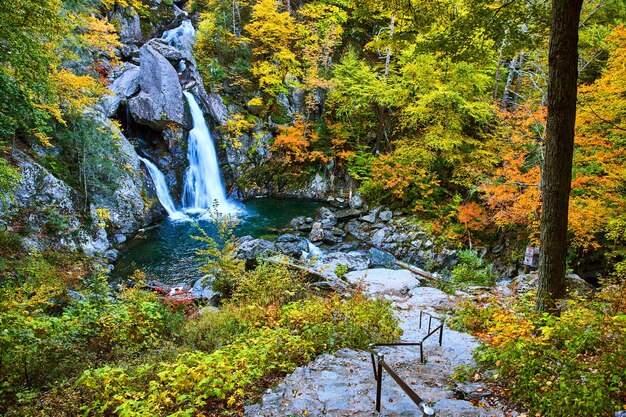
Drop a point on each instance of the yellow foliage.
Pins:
(76, 92)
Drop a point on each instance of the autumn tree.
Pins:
(559, 148)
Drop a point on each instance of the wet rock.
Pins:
(328, 222)
(251, 249)
(347, 214)
(330, 238)
(111, 255)
(119, 238)
(291, 245)
(297, 222)
(325, 212)
(381, 259)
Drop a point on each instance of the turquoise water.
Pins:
(167, 252)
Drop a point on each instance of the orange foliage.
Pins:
(513, 195)
(294, 145)
(599, 173)
(472, 216)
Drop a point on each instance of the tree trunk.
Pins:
(497, 81)
(518, 85)
(388, 58)
(509, 82)
(559, 148)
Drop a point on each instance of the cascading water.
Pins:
(177, 36)
(163, 193)
(203, 182)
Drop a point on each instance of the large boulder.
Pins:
(160, 101)
(250, 249)
(353, 261)
(129, 26)
(384, 281)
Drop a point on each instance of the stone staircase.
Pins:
(343, 384)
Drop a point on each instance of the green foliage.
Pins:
(9, 179)
(43, 327)
(571, 365)
(341, 270)
(472, 270)
(218, 259)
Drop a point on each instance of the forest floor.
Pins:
(343, 384)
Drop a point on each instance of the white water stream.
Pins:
(162, 190)
(203, 186)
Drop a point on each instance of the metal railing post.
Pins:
(379, 381)
(441, 333)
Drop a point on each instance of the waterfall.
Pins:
(203, 182)
(163, 193)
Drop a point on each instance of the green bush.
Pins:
(472, 270)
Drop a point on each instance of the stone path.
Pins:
(343, 384)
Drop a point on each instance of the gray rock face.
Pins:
(55, 222)
(125, 204)
(130, 26)
(354, 261)
(381, 259)
(217, 109)
(161, 99)
(250, 249)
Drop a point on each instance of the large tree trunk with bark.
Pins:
(559, 148)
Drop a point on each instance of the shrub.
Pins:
(573, 365)
(472, 270)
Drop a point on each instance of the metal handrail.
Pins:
(378, 364)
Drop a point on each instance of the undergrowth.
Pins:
(573, 364)
(133, 353)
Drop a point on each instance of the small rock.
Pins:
(356, 202)
(385, 215)
(317, 233)
(111, 255)
(119, 238)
